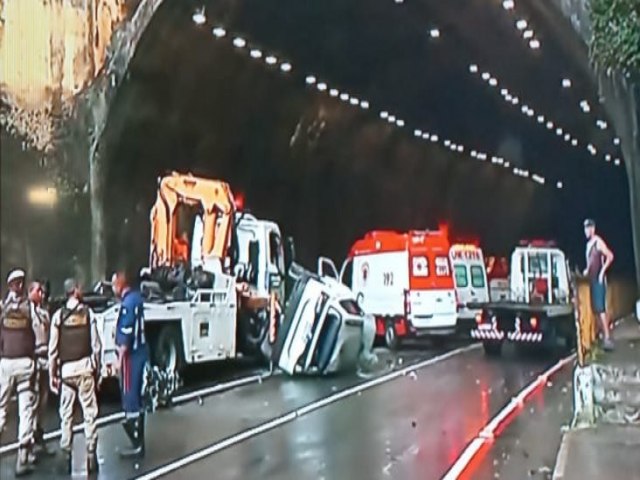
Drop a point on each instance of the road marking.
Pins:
(180, 399)
(297, 413)
(561, 458)
(488, 433)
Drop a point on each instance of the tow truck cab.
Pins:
(470, 279)
(405, 281)
(498, 278)
(540, 308)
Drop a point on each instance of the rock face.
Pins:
(50, 51)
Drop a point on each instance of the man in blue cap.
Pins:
(599, 258)
(133, 356)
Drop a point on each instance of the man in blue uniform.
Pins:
(132, 359)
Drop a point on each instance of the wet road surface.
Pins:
(528, 446)
(414, 427)
(188, 427)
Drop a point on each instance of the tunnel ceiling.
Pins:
(389, 53)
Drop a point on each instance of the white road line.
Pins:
(561, 458)
(180, 399)
(294, 414)
(487, 433)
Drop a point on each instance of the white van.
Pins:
(470, 278)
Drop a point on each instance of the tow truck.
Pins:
(222, 295)
(540, 309)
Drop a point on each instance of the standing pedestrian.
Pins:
(599, 258)
(41, 326)
(74, 365)
(133, 356)
(17, 365)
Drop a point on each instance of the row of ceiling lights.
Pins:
(240, 43)
(528, 111)
(522, 24)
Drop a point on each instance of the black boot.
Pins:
(92, 462)
(135, 431)
(40, 447)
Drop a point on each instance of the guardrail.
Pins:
(621, 299)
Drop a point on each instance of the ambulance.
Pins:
(470, 278)
(404, 280)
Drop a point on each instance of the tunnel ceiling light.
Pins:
(434, 138)
(239, 42)
(567, 137)
(616, 141)
(321, 86)
(473, 68)
(607, 157)
(425, 136)
(508, 97)
(255, 53)
(384, 115)
(334, 92)
(486, 76)
(574, 142)
(417, 132)
(460, 149)
(527, 34)
(310, 79)
(434, 33)
(219, 32)
(285, 67)
(400, 122)
(493, 82)
(364, 105)
(549, 125)
(392, 118)
(515, 100)
(617, 162)
(271, 60)
(559, 185)
(559, 131)
(345, 97)
(354, 101)
(521, 24)
(199, 17)
(534, 44)
(540, 118)
(566, 83)
(508, 4)
(584, 106)
(504, 92)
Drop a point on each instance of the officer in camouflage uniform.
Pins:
(17, 365)
(74, 365)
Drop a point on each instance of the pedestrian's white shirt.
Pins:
(78, 367)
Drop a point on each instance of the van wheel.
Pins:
(391, 340)
(492, 349)
(168, 355)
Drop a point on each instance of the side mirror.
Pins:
(254, 255)
(289, 252)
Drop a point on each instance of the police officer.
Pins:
(74, 364)
(17, 365)
(132, 359)
(41, 325)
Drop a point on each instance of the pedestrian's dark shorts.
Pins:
(598, 296)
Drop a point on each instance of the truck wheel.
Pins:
(492, 349)
(391, 340)
(168, 355)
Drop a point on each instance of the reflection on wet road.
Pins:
(413, 427)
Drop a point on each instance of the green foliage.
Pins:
(616, 34)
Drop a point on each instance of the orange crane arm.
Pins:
(216, 202)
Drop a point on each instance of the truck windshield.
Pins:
(477, 276)
(462, 280)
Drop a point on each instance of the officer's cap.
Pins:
(589, 222)
(15, 274)
(70, 284)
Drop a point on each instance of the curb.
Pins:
(561, 459)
